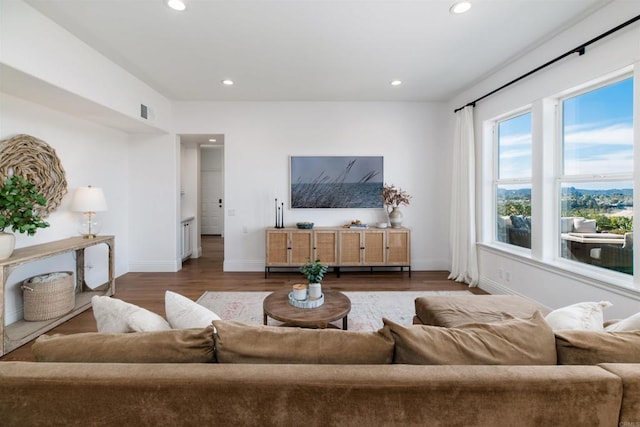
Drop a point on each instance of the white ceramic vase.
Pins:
(7, 243)
(395, 218)
(315, 290)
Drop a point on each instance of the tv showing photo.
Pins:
(336, 182)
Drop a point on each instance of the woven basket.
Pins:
(48, 299)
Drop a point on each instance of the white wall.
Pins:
(260, 137)
(38, 47)
(43, 63)
(154, 207)
(90, 154)
(549, 283)
(189, 194)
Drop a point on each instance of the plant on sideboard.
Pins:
(393, 197)
(20, 209)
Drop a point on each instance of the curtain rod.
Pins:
(580, 50)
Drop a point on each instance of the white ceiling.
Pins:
(313, 50)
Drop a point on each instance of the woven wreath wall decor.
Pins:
(35, 161)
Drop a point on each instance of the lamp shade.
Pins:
(88, 199)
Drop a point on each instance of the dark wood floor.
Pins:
(205, 274)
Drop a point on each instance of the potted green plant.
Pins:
(314, 272)
(20, 204)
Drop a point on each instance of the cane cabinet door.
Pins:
(398, 247)
(374, 244)
(325, 246)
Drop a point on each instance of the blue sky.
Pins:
(598, 135)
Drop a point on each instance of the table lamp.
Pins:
(89, 200)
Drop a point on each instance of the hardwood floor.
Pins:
(205, 274)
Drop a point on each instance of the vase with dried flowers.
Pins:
(393, 197)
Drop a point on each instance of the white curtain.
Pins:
(464, 266)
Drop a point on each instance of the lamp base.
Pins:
(90, 225)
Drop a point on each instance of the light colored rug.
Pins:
(367, 308)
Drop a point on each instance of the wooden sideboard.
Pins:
(16, 334)
(338, 247)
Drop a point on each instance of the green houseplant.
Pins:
(20, 204)
(314, 272)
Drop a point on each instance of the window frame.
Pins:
(562, 178)
(496, 181)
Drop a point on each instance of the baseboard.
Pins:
(154, 267)
(243, 265)
(495, 288)
(431, 265)
(14, 315)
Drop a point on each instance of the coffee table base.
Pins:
(345, 323)
(336, 306)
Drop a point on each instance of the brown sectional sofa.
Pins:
(90, 394)
(269, 376)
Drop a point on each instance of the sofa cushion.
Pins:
(172, 346)
(451, 311)
(509, 342)
(584, 316)
(593, 347)
(164, 395)
(630, 408)
(582, 225)
(566, 224)
(182, 313)
(114, 315)
(519, 221)
(237, 342)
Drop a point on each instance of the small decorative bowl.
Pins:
(304, 225)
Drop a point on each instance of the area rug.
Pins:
(367, 308)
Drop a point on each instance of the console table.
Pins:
(18, 333)
(338, 247)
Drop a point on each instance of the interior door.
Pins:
(212, 202)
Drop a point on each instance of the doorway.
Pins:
(211, 190)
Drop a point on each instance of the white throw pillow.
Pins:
(147, 321)
(114, 315)
(566, 224)
(581, 225)
(583, 316)
(183, 313)
(631, 323)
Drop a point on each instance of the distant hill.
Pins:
(609, 192)
(571, 191)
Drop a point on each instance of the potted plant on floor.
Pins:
(314, 272)
(20, 209)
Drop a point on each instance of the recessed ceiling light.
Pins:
(395, 82)
(460, 7)
(212, 140)
(178, 5)
(227, 82)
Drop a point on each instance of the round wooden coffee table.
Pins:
(336, 306)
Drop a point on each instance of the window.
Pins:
(596, 182)
(513, 180)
